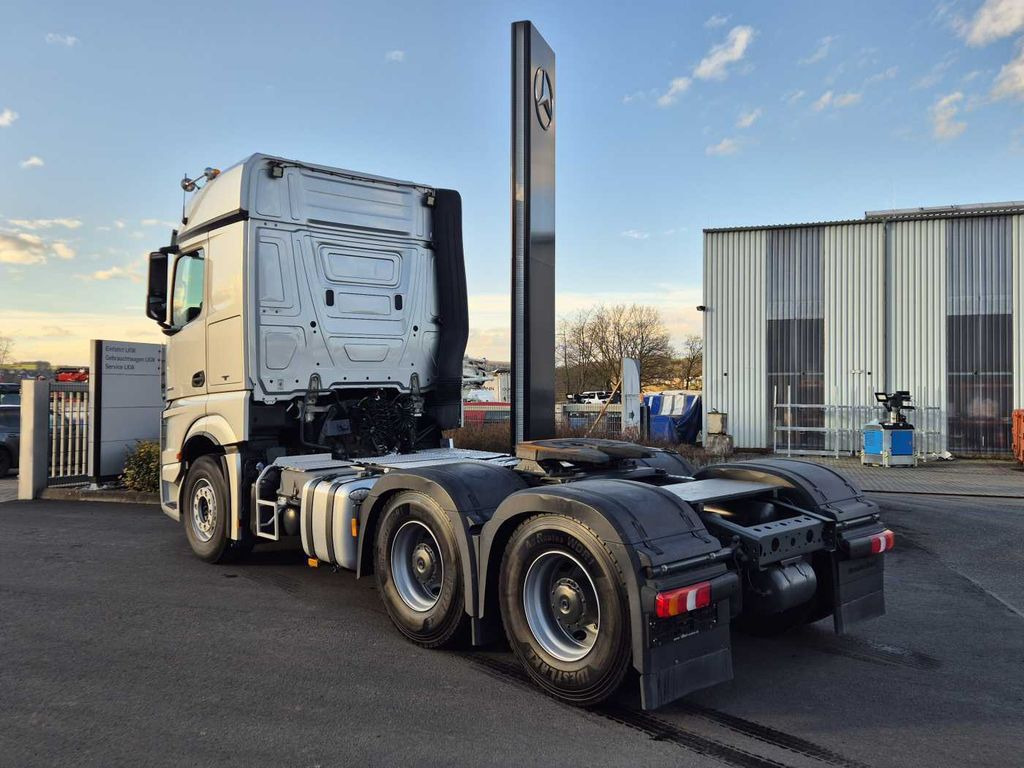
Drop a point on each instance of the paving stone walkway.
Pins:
(963, 477)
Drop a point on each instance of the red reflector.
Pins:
(882, 542)
(682, 600)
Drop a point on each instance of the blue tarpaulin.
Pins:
(675, 418)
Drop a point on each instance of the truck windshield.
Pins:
(187, 301)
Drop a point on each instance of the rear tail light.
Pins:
(682, 600)
(882, 542)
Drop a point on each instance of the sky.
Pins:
(671, 117)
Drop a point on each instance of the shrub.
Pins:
(142, 467)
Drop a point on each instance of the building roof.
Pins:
(899, 214)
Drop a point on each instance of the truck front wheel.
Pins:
(564, 606)
(418, 571)
(206, 512)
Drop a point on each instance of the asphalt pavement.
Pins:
(118, 647)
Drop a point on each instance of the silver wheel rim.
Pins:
(204, 510)
(417, 569)
(562, 606)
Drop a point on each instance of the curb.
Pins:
(119, 495)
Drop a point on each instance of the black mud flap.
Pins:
(859, 583)
(688, 653)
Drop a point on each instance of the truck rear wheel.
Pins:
(206, 512)
(418, 571)
(565, 611)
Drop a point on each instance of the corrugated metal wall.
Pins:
(1018, 311)
(916, 317)
(932, 306)
(854, 266)
(734, 333)
(979, 349)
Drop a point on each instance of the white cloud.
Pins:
(629, 98)
(724, 147)
(747, 119)
(21, 248)
(34, 224)
(158, 223)
(35, 161)
(794, 96)
(115, 273)
(943, 113)
(7, 117)
(1009, 83)
(835, 100)
(395, 57)
(678, 86)
(994, 20)
(636, 234)
(937, 72)
(715, 66)
(821, 51)
(54, 38)
(63, 251)
(887, 74)
(119, 224)
(716, 21)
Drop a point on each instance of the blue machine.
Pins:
(890, 443)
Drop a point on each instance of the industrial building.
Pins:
(804, 322)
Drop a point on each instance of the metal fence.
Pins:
(578, 417)
(69, 434)
(838, 428)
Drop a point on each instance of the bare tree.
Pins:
(6, 350)
(577, 352)
(691, 366)
(635, 331)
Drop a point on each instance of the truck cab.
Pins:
(309, 309)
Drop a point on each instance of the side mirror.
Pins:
(192, 313)
(156, 293)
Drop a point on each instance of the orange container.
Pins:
(1018, 435)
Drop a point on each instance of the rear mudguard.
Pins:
(850, 577)
(469, 492)
(644, 527)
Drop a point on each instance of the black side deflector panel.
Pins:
(811, 486)
(450, 272)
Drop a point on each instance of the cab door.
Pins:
(186, 350)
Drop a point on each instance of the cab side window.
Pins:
(187, 300)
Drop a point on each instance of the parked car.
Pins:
(10, 432)
(595, 397)
(10, 393)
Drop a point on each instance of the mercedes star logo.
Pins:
(543, 98)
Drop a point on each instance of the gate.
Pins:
(68, 454)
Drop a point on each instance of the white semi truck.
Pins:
(317, 321)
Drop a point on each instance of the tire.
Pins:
(553, 569)
(419, 571)
(206, 511)
(5, 462)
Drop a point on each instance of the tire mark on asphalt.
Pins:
(662, 730)
(872, 652)
(771, 736)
